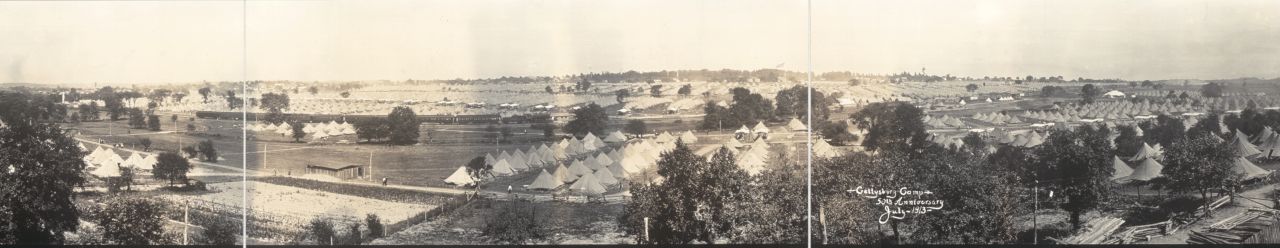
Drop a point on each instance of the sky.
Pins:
(141, 42)
(1129, 39)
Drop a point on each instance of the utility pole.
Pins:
(186, 221)
(822, 218)
(646, 229)
(1035, 227)
(371, 164)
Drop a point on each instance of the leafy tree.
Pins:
(621, 95)
(974, 143)
(1081, 170)
(1164, 131)
(1208, 125)
(715, 117)
(171, 166)
(589, 119)
(794, 102)
(636, 127)
(549, 130)
(93, 111)
(838, 132)
(514, 225)
(1199, 165)
(691, 203)
(132, 221)
(655, 90)
(478, 168)
(892, 126)
(208, 151)
(313, 90)
(322, 230)
(1211, 90)
(86, 113)
(1089, 92)
(549, 90)
(112, 102)
(971, 87)
(145, 143)
(375, 226)
(345, 94)
(220, 233)
(298, 132)
(153, 123)
(1128, 143)
(204, 94)
(191, 127)
(136, 119)
(191, 151)
(39, 168)
(274, 104)
(685, 90)
(402, 124)
(372, 129)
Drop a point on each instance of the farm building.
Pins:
(345, 172)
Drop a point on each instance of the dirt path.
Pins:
(1240, 205)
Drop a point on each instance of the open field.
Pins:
(566, 223)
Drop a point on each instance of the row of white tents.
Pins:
(106, 163)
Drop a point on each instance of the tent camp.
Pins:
(587, 185)
(503, 168)
(688, 138)
(796, 125)
(1247, 169)
(1241, 146)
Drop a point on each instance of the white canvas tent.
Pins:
(460, 177)
(545, 181)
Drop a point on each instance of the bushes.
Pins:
(220, 232)
(322, 231)
(132, 221)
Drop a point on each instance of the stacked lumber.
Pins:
(1242, 227)
(1215, 204)
(1096, 231)
(1130, 234)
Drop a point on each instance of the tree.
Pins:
(402, 124)
(153, 123)
(622, 94)
(478, 168)
(1199, 165)
(1211, 90)
(86, 113)
(514, 225)
(589, 119)
(145, 143)
(690, 204)
(136, 119)
(208, 151)
(974, 143)
(93, 111)
(795, 102)
(191, 151)
(549, 90)
(313, 90)
(132, 221)
(715, 117)
(191, 127)
(372, 129)
(171, 166)
(655, 90)
(220, 233)
(39, 168)
(548, 130)
(971, 87)
(838, 132)
(322, 230)
(298, 132)
(685, 90)
(1089, 92)
(204, 94)
(375, 226)
(274, 104)
(891, 125)
(636, 127)
(1081, 170)
(345, 94)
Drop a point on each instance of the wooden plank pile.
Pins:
(1096, 231)
(1130, 234)
(1241, 227)
(1215, 204)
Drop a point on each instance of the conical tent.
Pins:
(733, 143)
(616, 169)
(688, 138)
(615, 137)
(1243, 167)
(561, 173)
(1147, 170)
(760, 128)
(105, 171)
(545, 181)
(822, 149)
(460, 177)
(1241, 146)
(1144, 152)
(1122, 170)
(1270, 146)
(665, 137)
(603, 159)
(587, 185)
(796, 125)
(578, 168)
(605, 177)
(146, 163)
(744, 129)
(503, 168)
(751, 163)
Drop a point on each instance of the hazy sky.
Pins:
(189, 41)
(1130, 39)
